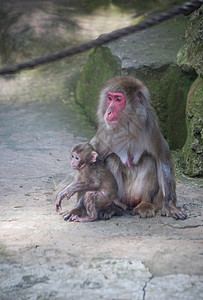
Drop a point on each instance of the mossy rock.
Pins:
(168, 87)
(132, 56)
(100, 67)
(192, 152)
(191, 54)
(154, 63)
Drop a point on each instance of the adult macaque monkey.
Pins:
(128, 126)
(95, 185)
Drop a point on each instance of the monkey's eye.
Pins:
(77, 158)
(118, 99)
(110, 98)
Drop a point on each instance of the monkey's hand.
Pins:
(58, 203)
(58, 207)
(69, 194)
(59, 199)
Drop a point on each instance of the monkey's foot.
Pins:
(67, 216)
(171, 210)
(110, 212)
(82, 219)
(77, 211)
(145, 210)
(71, 217)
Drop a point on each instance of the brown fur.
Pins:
(151, 175)
(95, 185)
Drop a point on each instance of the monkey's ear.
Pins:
(139, 96)
(93, 156)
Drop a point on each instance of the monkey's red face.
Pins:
(115, 103)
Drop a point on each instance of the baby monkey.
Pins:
(94, 183)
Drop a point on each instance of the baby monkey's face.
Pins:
(75, 160)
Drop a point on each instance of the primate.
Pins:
(95, 185)
(128, 126)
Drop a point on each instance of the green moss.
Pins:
(100, 67)
(192, 152)
(176, 85)
(191, 54)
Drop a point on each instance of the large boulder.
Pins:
(191, 57)
(192, 152)
(149, 55)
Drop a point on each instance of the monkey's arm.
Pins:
(74, 187)
(68, 192)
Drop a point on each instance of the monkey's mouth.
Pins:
(112, 122)
(75, 168)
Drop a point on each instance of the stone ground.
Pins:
(44, 257)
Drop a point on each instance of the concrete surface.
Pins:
(44, 257)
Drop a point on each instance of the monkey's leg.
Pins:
(169, 207)
(145, 189)
(170, 210)
(90, 200)
(79, 210)
(145, 210)
(110, 211)
(83, 219)
(98, 206)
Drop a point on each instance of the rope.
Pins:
(102, 39)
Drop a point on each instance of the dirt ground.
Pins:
(45, 257)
